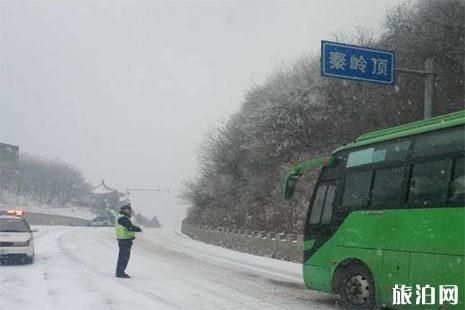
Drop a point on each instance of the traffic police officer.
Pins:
(125, 233)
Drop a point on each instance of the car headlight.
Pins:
(25, 243)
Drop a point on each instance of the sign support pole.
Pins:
(345, 61)
(429, 85)
(428, 75)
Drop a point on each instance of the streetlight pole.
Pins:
(159, 190)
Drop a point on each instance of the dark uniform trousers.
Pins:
(123, 255)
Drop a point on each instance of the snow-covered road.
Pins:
(74, 269)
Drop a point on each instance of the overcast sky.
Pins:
(125, 90)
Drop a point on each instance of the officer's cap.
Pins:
(125, 207)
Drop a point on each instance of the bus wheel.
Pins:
(355, 287)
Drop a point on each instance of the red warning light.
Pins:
(15, 212)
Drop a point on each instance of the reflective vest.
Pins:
(121, 231)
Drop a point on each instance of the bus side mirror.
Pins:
(290, 185)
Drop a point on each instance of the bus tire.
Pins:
(355, 286)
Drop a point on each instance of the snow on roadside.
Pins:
(28, 205)
(73, 211)
(293, 271)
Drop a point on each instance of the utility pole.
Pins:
(428, 75)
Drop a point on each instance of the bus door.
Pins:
(318, 230)
(319, 227)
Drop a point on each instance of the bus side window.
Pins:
(429, 183)
(457, 193)
(440, 142)
(383, 153)
(357, 189)
(387, 187)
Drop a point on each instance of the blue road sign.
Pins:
(357, 63)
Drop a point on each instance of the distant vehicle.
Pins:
(16, 239)
(100, 221)
(388, 212)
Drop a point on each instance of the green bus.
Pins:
(385, 226)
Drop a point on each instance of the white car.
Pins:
(100, 221)
(16, 240)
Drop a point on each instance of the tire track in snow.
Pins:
(246, 278)
(27, 285)
(74, 270)
(107, 282)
